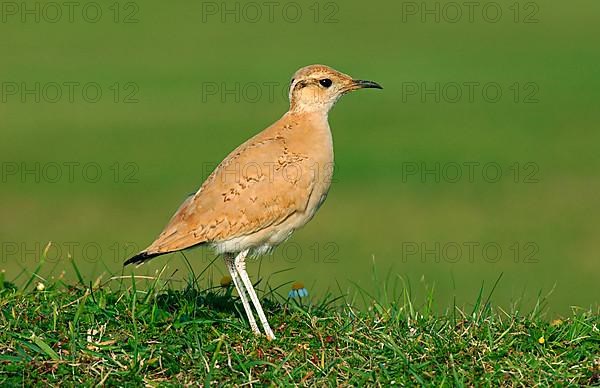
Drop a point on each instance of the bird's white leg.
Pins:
(230, 262)
(240, 265)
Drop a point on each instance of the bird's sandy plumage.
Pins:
(267, 187)
(267, 183)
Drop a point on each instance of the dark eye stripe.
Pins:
(299, 85)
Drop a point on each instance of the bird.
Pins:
(266, 188)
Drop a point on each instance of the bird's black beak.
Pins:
(362, 84)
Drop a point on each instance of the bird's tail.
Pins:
(142, 257)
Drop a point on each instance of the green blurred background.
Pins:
(179, 91)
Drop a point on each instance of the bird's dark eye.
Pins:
(325, 82)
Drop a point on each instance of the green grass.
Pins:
(142, 331)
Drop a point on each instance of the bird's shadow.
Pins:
(192, 303)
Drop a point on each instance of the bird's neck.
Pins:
(315, 107)
(313, 128)
(314, 118)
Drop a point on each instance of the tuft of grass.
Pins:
(133, 335)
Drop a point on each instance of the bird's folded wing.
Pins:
(258, 185)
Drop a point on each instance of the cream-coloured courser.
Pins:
(266, 188)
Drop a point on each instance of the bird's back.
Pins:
(267, 187)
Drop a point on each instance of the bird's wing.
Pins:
(259, 184)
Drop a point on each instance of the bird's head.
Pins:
(316, 88)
